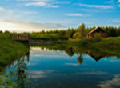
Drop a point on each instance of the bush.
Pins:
(7, 32)
(77, 35)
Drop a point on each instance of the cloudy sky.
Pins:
(38, 15)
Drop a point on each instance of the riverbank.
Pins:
(96, 48)
(10, 50)
(110, 46)
(112, 43)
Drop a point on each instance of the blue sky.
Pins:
(61, 13)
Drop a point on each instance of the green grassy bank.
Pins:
(96, 47)
(10, 50)
(109, 45)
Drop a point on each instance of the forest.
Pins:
(73, 33)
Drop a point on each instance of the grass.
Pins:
(109, 45)
(10, 50)
(51, 37)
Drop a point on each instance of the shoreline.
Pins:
(10, 50)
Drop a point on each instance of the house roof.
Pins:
(96, 30)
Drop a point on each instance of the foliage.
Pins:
(7, 32)
(109, 46)
(77, 36)
(70, 33)
(76, 33)
(81, 30)
(46, 36)
(5, 82)
(10, 50)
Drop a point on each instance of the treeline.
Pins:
(72, 33)
(75, 33)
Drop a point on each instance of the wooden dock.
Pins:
(20, 37)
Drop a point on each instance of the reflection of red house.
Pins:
(97, 30)
(96, 56)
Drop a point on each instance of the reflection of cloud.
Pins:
(31, 64)
(113, 60)
(93, 73)
(114, 83)
(72, 64)
(39, 73)
(37, 51)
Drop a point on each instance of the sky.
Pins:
(36, 15)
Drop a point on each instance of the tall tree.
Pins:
(81, 29)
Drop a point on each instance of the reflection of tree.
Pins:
(21, 74)
(84, 50)
(69, 51)
(16, 77)
(28, 56)
(21, 70)
(80, 59)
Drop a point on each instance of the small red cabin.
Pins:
(97, 30)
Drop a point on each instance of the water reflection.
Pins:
(80, 59)
(16, 73)
(65, 67)
(21, 72)
(71, 50)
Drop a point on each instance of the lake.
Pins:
(61, 67)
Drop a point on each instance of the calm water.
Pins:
(59, 68)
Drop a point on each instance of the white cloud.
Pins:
(116, 20)
(118, 0)
(30, 12)
(53, 6)
(42, 4)
(34, 0)
(78, 15)
(5, 13)
(96, 6)
(36, 4)
(1, 9)
(74, 14)
(27, 26)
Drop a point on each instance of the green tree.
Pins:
(77, 36)
(81, 29)
(7, 32)
(70, 33)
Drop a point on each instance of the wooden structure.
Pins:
(20, 37)
(97, 31)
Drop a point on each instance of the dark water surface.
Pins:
(57, 68)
